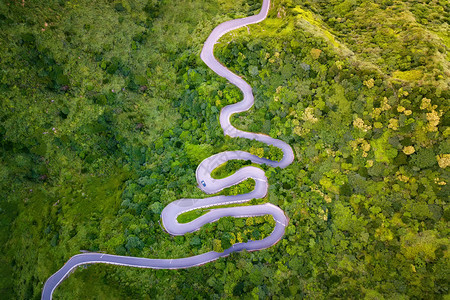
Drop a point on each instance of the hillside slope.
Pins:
(107, 110)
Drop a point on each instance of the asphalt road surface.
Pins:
(208, 184)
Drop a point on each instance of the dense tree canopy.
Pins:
(107, 109)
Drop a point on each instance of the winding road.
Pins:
(208, 184)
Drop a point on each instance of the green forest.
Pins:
(106, 110)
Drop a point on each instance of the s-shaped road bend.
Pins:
(208, 184)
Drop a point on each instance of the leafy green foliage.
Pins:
(107, 110)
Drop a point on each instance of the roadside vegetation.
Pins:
(107, 110)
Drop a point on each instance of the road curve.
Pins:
(208, 184)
